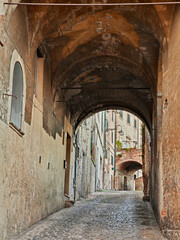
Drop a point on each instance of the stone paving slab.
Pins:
(103, 216)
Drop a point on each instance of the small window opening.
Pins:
(135, 123)
(128, 118)
(39, 53)
(17, 97)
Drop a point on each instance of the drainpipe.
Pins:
(75, 163)
(74, 182)
(115, 136)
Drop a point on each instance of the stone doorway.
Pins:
(125, 183)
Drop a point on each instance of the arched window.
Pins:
(17, 97)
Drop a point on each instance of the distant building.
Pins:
(107, 154)
(89, 156)
(110, 144)
(123, 135)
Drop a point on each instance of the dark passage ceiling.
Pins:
(130, 167)
(102, 57)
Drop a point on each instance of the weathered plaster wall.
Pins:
(85, 168)
(122, 184)
(89, 168)
(99, 150)
(139, 184)
(30, 191)
(170, 218)
(110, 146)
(132, 135)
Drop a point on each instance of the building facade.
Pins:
(109, 150)
(123, 142)
(99, 161)
(88, 157)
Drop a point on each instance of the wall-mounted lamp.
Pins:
(121, 133)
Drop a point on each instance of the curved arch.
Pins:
(130, 166)
(72, 26)
(106, 82)
(127, 28)
(100, 107)
(71, 75)
(68, 21)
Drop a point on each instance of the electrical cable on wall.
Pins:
(92, 4)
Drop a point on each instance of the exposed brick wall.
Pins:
(129, 155)
(169, 140)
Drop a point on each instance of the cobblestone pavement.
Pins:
(107, 215)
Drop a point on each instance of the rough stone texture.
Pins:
(146, 163)
(109, 215)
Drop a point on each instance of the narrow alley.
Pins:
(105, 215)
(89, 106)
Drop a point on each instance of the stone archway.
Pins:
(99, 58)
(126, 165)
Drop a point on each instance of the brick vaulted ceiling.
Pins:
(130, 167)
(102, 57)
